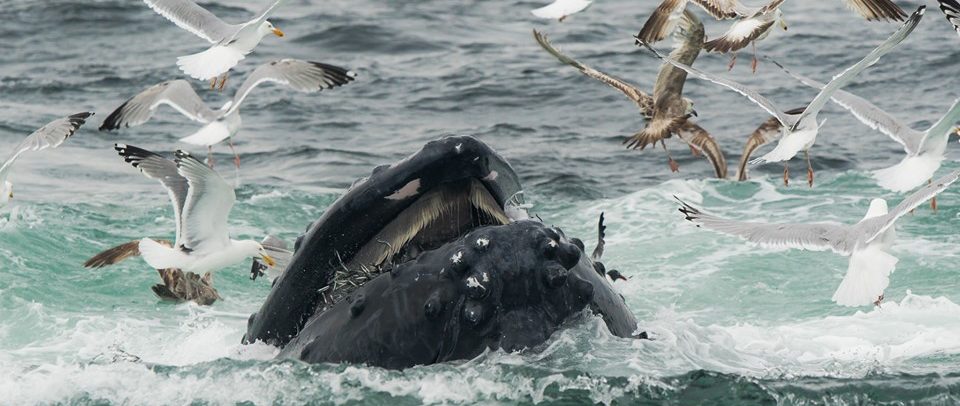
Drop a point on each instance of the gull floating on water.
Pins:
(201, 205)
(661, 21)
(666, 110)
(800, 131)
(866, 242)
(49, 136)
(225, 122)
(925, 149)
(560, 9)
(951, 9)
(231, 42)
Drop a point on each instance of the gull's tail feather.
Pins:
(211, 63)
(210, 134)
(159, 256)
(911, 173)
(867, 276)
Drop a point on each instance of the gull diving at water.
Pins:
(951, 9)
(201, 206)
(560, 9)
(800, 131)
(666, 111)
(751, 18)
(50, 135)
(866, 242)
(925, 149)
(231, 42)
(225, 122)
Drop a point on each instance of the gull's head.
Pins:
(689, 110)
(878, 207)
(251, 248)
(267, 28)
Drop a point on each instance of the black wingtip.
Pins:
(690, 213)
(112, 122)
(339, 76)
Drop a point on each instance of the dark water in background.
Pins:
(433, 68)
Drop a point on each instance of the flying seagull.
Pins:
(225, 122)
(231, 42)
(866, 242)
(201, 205)
(49, 136)
(925, 149)
(800, 131)
(661, 21)
(754, 24)
(667, 92)
(951, 9)
(561, 9)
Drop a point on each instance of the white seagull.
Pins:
(951, 9)
(754, 24)
(225, 122)
(925, 149)
(231, 42)
(800, 131)
(866, 242)
(201, 204)
(560, 9)
(49, 136)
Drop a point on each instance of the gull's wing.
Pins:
(749, 93)
(154, 166)
(813, 236)
(877, 9)
(670, 79)
(140, 108)
(115, 255)
(188, 15)
(768, 132)
(304, 76)
(868, 114)
(601, 235)
(660, 23)
(951, 9)
(207, 207)
(265, 12)
(50, 135)
(701, 141)
(870, 228)
(850, 73)
(638, 96)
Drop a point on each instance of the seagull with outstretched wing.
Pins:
(800, 131)
(866, 242)
(50, 135)
(202, 201)
(225, 122)
(231, 42)
(951, 9)
(561, 9)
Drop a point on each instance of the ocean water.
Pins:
(731, 323)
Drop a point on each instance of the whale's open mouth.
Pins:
(437, 195)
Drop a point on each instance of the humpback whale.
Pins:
(431, 259)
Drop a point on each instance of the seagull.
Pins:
(951, 9)
(49, 136)
(658, 109)
(225, 122)
(925, 149)
(766, 133)
(201, 204)
(866, 242)
(754, 24)
(560, 9)
(800, 131)
(660, 22)
(231, 42)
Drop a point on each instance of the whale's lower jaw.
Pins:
(504, 287)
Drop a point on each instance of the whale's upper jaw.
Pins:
(447, 189)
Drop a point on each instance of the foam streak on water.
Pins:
(730, 323)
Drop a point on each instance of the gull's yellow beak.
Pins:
(783, 23)
(955, 131)
(268, 260)
(277, 32)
